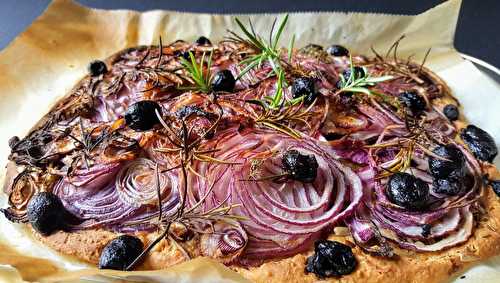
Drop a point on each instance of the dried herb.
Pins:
(278, 112)
(397, 67)
(188, 152)
(281, 119)
(87, 142)
(418, 137)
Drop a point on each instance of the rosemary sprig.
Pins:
(278, 111)
(187, 151)
(278, 100)
(87, 143)
(201, 79)
(267, 51)
(401, 161)
(280, 120)
(360, 84)
(290, 48)
(417, 138)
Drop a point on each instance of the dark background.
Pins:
(478, 31)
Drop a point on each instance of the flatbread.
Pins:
(408, 266)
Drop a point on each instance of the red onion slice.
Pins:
(119, 201)
(447, 223)
(95, 177)
(136, 183)
(225, 240)
(362, 230)
(281, 216)
(452, 239)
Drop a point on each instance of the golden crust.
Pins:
(87, 245)
(409, 266)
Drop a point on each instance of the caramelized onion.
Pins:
(20, 187)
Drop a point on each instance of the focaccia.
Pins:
(284, 164)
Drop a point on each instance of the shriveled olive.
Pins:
(300, 167)
(408, 191)
(480, 143)
(331, 258)
(120, 252)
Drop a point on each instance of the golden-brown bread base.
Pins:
(87, 245)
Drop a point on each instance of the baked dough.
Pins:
(407, 266)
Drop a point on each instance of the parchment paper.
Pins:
(44, 62)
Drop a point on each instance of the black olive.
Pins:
(426, 230)
(177, 53)
(441, 168)
(451, 112)
(408, 191)
(203, 41)
(480, 143)
(331, 258)
(358, 73)
(413, 101)
(300, 167)
(223, 81)
(183, 54)
(186, 55)
(448, 186)
(304, 86)
(13, 141)
(141, 116)
(120, 252)
(35, 151)
(495, 185)
(337, 50)
(46, 213)
(97, 68)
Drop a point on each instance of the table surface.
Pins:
(476, 33)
